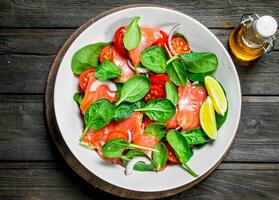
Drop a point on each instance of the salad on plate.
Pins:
(147, 99)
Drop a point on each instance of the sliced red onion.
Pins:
(130, 166)
(149, 154)
(177, 128)
(172, 32)
(195, 83)
(139, 69)
(111, 85)
(129, 136)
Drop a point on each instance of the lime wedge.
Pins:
(216, 93)
(207, 118)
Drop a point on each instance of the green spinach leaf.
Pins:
(87, 57)
(115, 148)
(177, 73)
(156, 129)
(132, 36)
(154, 58)
(181, 149)
(180, 146)
(78, 96)
(196, 136)
(171, 93)
(220, 119)
(159, 110)
(134, 89)
(160, 158)
(196, 77)
(200, 62)
(107, 70)
(119, 87)
(98, 115)
(123, 111)
(140, 104)
(139, 166)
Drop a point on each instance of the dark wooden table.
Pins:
(31, 33)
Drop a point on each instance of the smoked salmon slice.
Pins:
(102, 92)
(190, 101)
(98, 138)
(121, 62)
(148, 37)
(187, 116)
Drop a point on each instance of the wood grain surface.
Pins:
(72, 13)
(32, 32)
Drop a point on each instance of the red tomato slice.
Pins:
(106, 54)
(159, 79)
(155, 92)
(146, 140)
(171, 155)
(102, 92)
(190, 101)
(118, 41)
(84, 78)
(117, 134)
(148, 37)
(157, 89)
(121, 62)
(162, 41)
(180, 45)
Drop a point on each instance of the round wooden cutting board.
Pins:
(63, 148)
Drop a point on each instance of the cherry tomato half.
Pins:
(118, 41)
(159, 79)
(162, 41)
(84, 78)
(117, 134)
(155, 92)
(106, 54)
(171, 155)
(157, 89)
(180, 45)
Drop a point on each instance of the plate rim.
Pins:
(64, 150)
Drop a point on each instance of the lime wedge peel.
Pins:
(216, 93)
(207, 118)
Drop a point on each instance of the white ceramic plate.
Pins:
(71, 125)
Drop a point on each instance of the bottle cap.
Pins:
(266, 26)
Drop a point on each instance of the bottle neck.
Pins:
(251, 38)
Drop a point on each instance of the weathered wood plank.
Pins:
(56, 180)
(33, 41)
(49, 41)
(49, 13)
(28, 74)
(24, 73)
(24, 135)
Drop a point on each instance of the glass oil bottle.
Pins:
(252, 38)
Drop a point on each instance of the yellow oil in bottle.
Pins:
(252, 38)
(240, 50)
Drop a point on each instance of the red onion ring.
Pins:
(139, 69)
(129, 136)
(111, 85)
(172, 31)
(130, 166)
